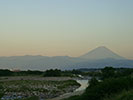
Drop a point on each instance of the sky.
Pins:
(65, 27)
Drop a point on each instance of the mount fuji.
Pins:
(101, 53)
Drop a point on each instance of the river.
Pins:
(83, 83)
(79, 91)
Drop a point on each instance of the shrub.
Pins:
(108, 87)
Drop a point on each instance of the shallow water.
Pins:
(83, 83)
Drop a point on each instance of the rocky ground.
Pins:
(44, 88)
(67, 95)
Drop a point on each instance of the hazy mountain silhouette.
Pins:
(101, 63)
(101, 53)
(97, 58)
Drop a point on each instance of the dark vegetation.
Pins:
(57, 72)
(47, 73)
(51, 73)
(124, 95)
(108, 72)
(113, 82)
(6, 72)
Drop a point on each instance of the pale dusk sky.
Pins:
(65, 27)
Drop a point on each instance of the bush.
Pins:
(125, 95)
(93, 82)
(5, 72)
(107, 88)
(108, 72)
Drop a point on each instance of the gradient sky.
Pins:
(65, 27)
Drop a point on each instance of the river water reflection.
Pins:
(83, 83)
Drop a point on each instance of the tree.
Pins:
(93, 82)
(5, 72)
(52, 73)
(108, 72)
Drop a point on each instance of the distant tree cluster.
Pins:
(52, 73)
(76, 71)
(57, 72)
(29, 72)
(105, 73)
(5, 72)
(47, 73)
(110, 72)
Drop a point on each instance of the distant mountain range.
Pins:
(97, 58)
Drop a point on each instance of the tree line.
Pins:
(47, 73)
(104, 73)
